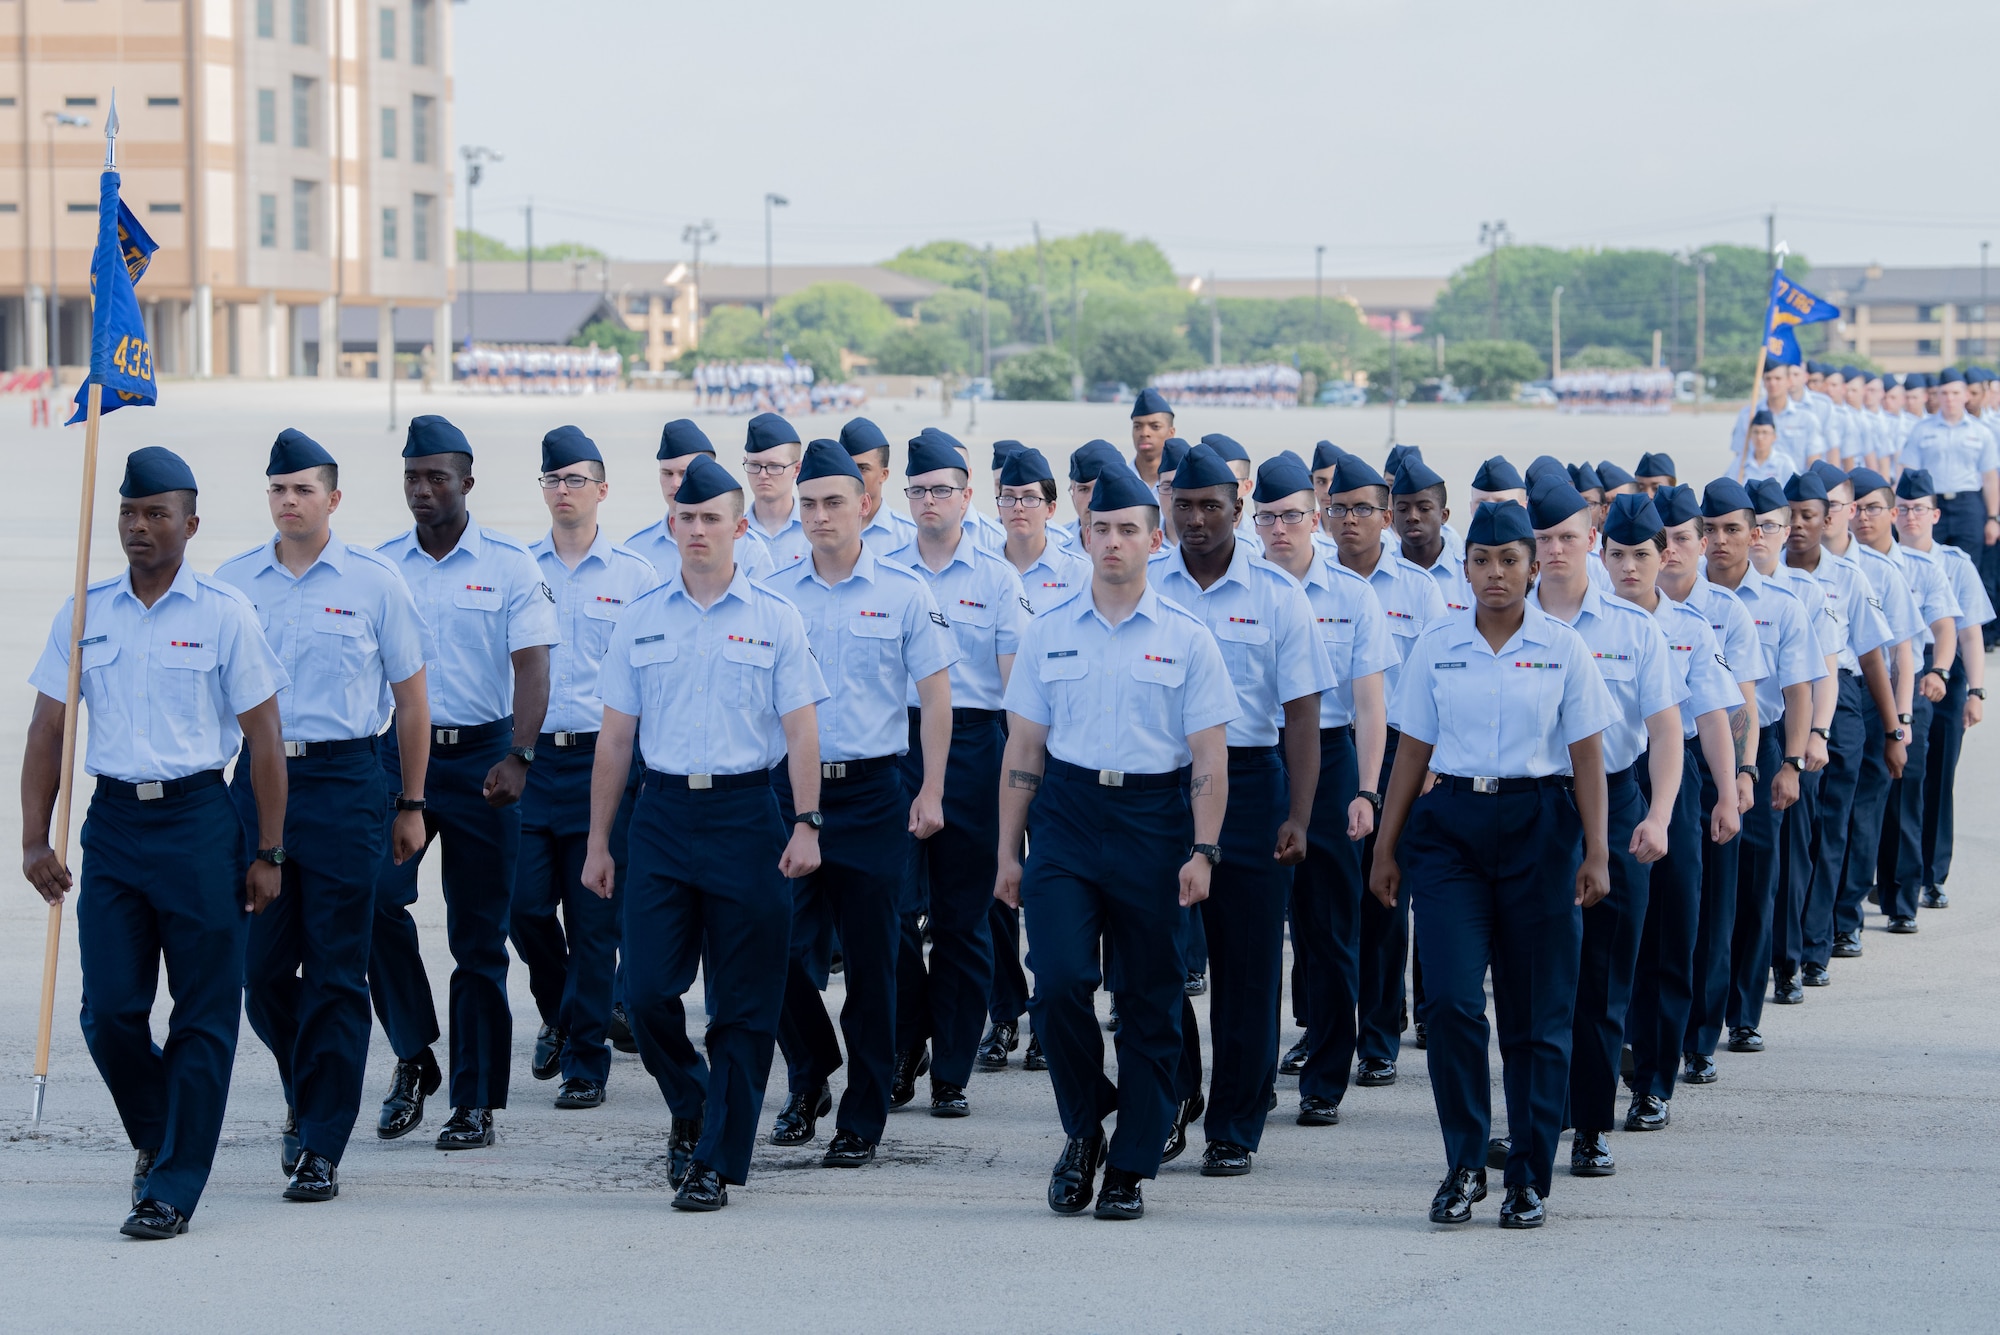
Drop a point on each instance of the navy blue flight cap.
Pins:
(827, 458)
(681, 437)
(929, 451)
(1767, 495)
(1866, 480)
(767, 431)
(1353, 473)
(1119, 488)
(1725, 496)
(1613, 475)
(1543, 464)
(565, 446)
(1024, 468)
(1414, 476)
(1203, 467)
(1584, 478)
(1829, 475)
(294, 452)
(1281, 476)
(1951, 375)
(1916, 380)
(1850, 373)
(1496, 474)
(1003, 450)
(1497, 522)
(861, 436)
(1915, 484)
(1806, 486)
(1890, 381)
(431, 434)
(1151, 401)
(1226, 448)
(1554, 501)
(1652, 464)
(1397, 454)
(1326, 454)
(704, 481)
(1172, 453)
(1089, 459)
(153, 469)
(1815, 367)
(1762, 417)
(1633, 519)
(1676, 505)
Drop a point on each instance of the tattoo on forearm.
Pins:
(1203, 784)
(1021, 778)
(1739, 734)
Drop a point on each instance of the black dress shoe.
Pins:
(909, 1065)
(683, 1134)
(847, 1150)
(1934, 897)
(1295, 1059)
(1648, 1112)
(1847, 945)
(1590, 1156)
(1522, 1207)
(151, 1219)
(1903, 926)
(949, 1100)
(1034, 1059)
(1745, 1039)
(548, 1053)
(315, 1179)
(798, 1120)
(702, 1190)
(1112, 1023)
(142, 1168)
(1073, 1184)
(1461, 1189)
(1001, 1038)
(837, 963)
(1316, 1111)
(414, 1081)
(619, 1031)
(1697, 1069)
(468, 1129)
(288, 1137)
(576, 1092)
(1815, 975)
(1120, 1197)
(1786, 991)
(1373, 1071)
(1177, 1138)
(1197, 983)
(1423, 1038)
(1497, 1150)
(1223, 1159)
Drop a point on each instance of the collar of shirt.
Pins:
(333, 555)
(909, 554)
(1236, 572)
(864, 570)
(1592, 605)
(739, 589)
(1086, 605)
(792, 521)
(1534, 629)
(469, 542)
(184, 585)
(600, 550)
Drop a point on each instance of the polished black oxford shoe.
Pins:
(1847, 945)
(468, 1129)
(909, 1065)
(288, 1143)
(1934, 897)
(315, 1179)
(949, 1100)
(1034, 1059)
(153, 1220)
(576, 1092)
(1316, 1111)
(1423, 1037)
(1522, 1207)
(702, 1190)
(1648, 1112)
(1295, 1059)
(142, 1168)
(1590, 1156)
(1786, 989)
(1375, 1071)
(619, 1032)
(1497, 1150)
(798, 1120)
(548, 1053)
(1900, 926)
(1197, 983)
(1745, 1039)
(1815, 975)
(1190, 1109)
(414, 1081)
(1461, 1189)
(847, 1150)
(1002, 1037)
(1120, 1197)
(683, 1135)
(1697, 1069)
(1221, 1158)
(1073, 1184)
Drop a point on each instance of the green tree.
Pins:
(1130, 349)
(1043, 373)
(853, 316)
(1731, 373)
(1107, 263)
(922, 349)
(492, 248)
(960, 311)
(611, 334)
(818, 349)
(730, 333)
(1490, 368)
(1595, 358)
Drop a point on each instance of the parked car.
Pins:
(1110, 391)
(1342, 394)
(1536, 394)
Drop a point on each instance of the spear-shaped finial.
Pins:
(1782, 249)
(111, 135)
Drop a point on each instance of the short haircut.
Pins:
(1436, 492)
(881, 454)
(1379, 493)
(329, 476)
(1152, 516)
(1048, 489)
(186, 497)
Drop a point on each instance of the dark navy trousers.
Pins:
(1715, 926)
(164, 880)
(481, 845)
(565, 934)
(951, 874)
(1007, 995)
(1947, 740)
(1797, 828)
(1846, 752)
(1749, 957)
(702, 890)
(1663, 977)
(306, 968)
(1899, 862)
(859, 888)
(1327, 893)
(1104, 865)
(1384, 950)
(1608, 962)
(1864, 821)
(1493, 877)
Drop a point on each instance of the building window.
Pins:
(420, 226)
(6, 101)
(388, 132)
(1927, 347)
(79, 101)
(1972, 314)
(10, 207)
(163, 208)
(267, 222)
(301, 22)
(388, 231)
(303, 90)
(305, 203)
(667, 337)
(267, 18)
(420, 32)
(83, 208)
(163, 101)
(1929, 314)
(1972, 347)
(388, 25)
(423, 111)
(267, 115)
(638, 305)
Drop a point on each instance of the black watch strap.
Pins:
(1374, 799)
(275, 855)
(1979, 691)
(1750, 770)
(524, 754)
(1797, 762)
(1213, 852)
(410, 803)
(1824, 734)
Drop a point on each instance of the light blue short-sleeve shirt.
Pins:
(787, 546)
(1411, 599)
(1698, 661)
(656, 543)
(1056, 576)
(1957, 454)
(1634, 662)
(1930, 588)
(1974, 608)
(980, 595)
(589, 601)
(888, 531)
(1791, 651)
(1850, 601)
(1352, 631)
(1892, 595)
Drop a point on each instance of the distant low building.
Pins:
(1911, 319)
(1408, 302)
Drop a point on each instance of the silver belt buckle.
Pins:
(1485, 783)
(835, 770)
(294, 750)
(1111, 778)
(444, 736)
(1947, 495)
(701, 781)
(150, 792)
(564, 738)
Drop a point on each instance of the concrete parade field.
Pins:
(1826, 1184)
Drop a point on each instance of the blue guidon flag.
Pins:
(1790, 306)
(121, 356)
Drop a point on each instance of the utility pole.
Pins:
(1556, 331)
(698, 235)
(1493, 235)
(771, 201)
(1679, 260)
(1657, 363)
(531, 243)
(53, 119)
(985, 315)
(1984, 349)
(1319, 294)
(1214, 324)
(476, 159)
(1042, 267)
(1701, 260)
(1395, 372)
(1075, 343)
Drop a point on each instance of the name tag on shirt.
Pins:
(1442, 667)
(1062, 653)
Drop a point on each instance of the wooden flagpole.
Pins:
(1757, 379)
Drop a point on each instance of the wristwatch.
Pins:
(1797, 762)
(1750, 770)
(1896, 735)
(812, 818)
(1905, 720)
(275, 855)
(1213, 852)
(1374, 799)
(1942, 672)
(1824, 734)
(1979, 691)
(524, 754)
(410, 803)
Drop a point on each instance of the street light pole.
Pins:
(1319, 294)
(475, 160)
(771, 201)
(1556, 332)
(53, 119)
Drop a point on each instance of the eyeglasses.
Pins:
(1267, 518)
(1025, 502)
(1907, 510)
(1771, 528)
(1338, 511)
(1874, 511)
(937, 493)
(758, 470)
(568, 481)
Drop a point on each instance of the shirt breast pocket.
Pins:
(594, 627)
(751, 667)
(878, 645)
(1336, 636)
(479, 610)
(1066, 685)
(185, 671)
(98, 685)
(1243, 648)
(339, 644)
(1617, 671)
(1158, 681)
(653, 667)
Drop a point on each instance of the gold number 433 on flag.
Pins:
(134, 357)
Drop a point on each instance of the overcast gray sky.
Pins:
(1238, 134)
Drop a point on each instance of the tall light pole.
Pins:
(1556, 331)
(1984, 350)
(476, 159)
(1319, 295)
(53, 119)
(986, 314)
(1493, 235)
(771, 201)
